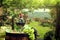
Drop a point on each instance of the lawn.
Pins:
(40, 29)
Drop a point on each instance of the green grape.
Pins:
(32, 37)
(30, 32)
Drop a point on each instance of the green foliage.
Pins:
(3, 30)
(20, 4)
(29, 3)
(50, 2)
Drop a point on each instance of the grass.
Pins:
(40, 29)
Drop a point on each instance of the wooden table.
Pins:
(16, 36)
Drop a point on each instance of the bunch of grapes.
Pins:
(30, 32)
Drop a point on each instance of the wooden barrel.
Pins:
(16, 36)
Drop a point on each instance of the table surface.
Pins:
(17, 34)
